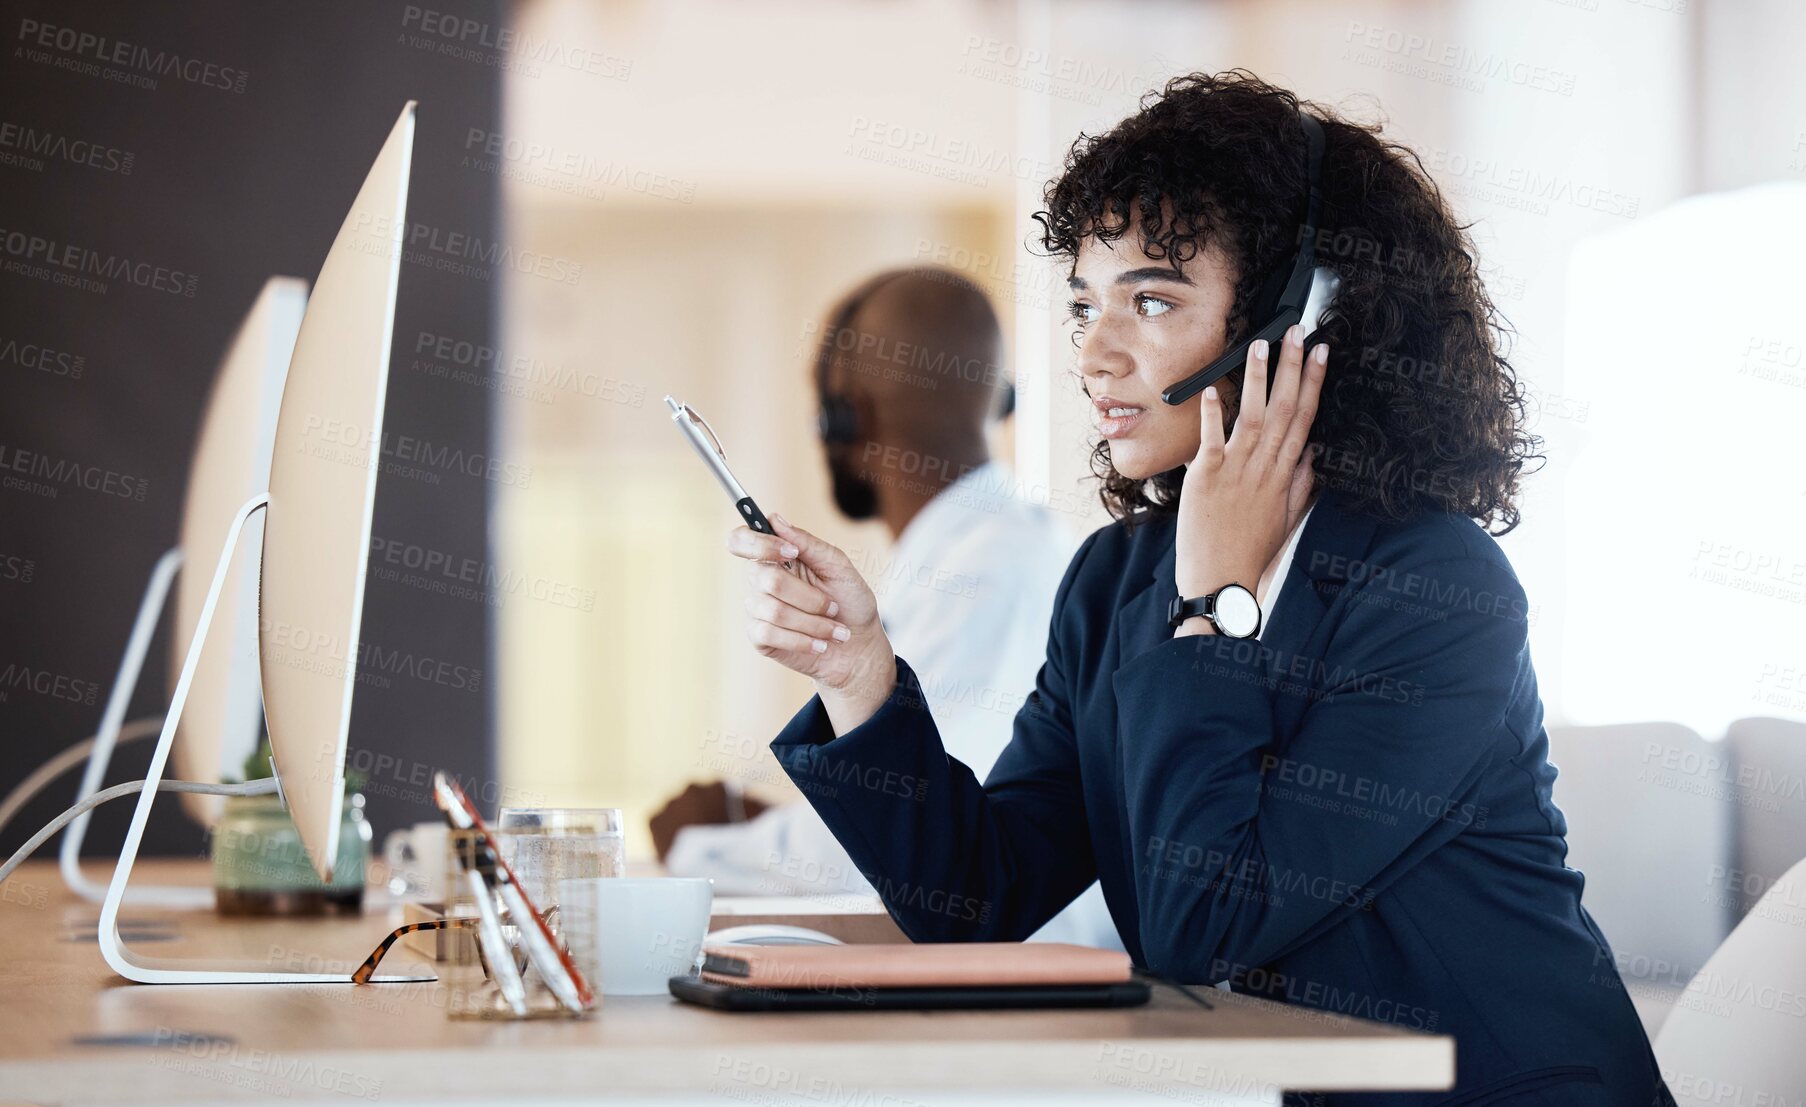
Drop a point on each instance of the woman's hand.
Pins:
(821, 621)
(1240, 499)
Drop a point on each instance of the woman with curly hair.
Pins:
(1288, 716)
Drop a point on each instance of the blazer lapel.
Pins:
(1141, 624)
(1336, 538)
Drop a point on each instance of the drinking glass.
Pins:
(546, 845)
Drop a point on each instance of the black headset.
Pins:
(836, 421)
(1298, 292)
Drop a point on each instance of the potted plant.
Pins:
(260, 866)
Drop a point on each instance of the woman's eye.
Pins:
(1082, 312)
(1151, 305)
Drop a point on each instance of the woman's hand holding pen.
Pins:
(821, 621)
(1241, 498)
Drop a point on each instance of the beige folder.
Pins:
(932, 965)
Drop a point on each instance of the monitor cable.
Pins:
(263, 787)
(146, 727)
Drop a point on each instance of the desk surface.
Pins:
(149, 1043)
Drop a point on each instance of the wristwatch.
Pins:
(1232, 609)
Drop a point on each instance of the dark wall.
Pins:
(190, 195)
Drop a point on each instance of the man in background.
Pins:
(908, 376)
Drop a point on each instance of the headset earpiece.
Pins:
(837, 422)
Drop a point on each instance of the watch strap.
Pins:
(1181, 609)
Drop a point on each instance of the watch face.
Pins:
(1237, 612)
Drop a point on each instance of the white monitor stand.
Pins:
(157, 970)
(150, 611)
(231, 461)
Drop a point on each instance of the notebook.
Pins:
(910, 977)
(930, 965)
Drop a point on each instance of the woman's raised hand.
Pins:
(1242, 497)
(821, 621)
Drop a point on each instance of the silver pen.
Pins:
(702, 439)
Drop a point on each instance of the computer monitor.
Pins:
(231, 463)
(322, 498)
(316, 537)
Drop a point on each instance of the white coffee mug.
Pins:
(631, 935)
(417, 859)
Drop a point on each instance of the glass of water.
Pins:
(546, 845)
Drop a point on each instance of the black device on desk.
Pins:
(732, 997)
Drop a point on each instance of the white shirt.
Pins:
(966, 597)
(1271, 600)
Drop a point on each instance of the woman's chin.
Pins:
(1139, 464)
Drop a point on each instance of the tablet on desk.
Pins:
(913, 977)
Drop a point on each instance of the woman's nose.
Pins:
(1101, 354)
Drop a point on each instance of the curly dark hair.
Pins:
(1420, 408)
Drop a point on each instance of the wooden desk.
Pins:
(72, 1032)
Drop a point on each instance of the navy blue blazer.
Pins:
(1351, 813)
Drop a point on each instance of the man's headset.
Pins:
(1296, 293)
(836, 421)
